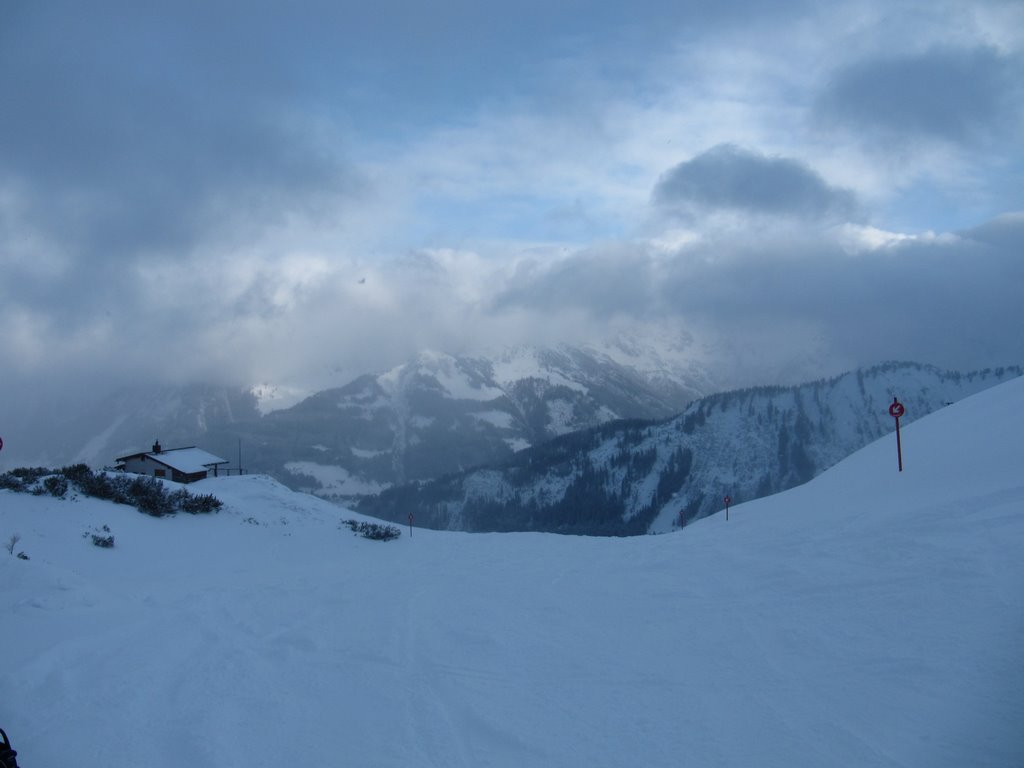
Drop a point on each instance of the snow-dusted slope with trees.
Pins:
(634, 478)
(867, 618)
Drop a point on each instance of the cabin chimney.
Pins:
(156, 447)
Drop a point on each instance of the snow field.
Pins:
(868, 618)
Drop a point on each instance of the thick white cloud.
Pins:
(951, 300)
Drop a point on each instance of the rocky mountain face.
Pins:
(639, 477)
(440, 414)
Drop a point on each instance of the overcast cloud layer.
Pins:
(298, 195)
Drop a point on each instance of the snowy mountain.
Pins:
(866, 618)
(673, 362)
(633, 478)
(435, 414)
(441, 413)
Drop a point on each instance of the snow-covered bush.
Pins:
(150, 496)
(22, 478)
(375, 531)
(102, 538)
(147, 494)
(57, 485)
(9, 546)
(195, 504)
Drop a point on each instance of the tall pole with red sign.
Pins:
(896, 410)
(728, 501)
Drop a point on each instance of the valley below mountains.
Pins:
(568, 439)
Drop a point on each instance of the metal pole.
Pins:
(896, 410)
(899, 447)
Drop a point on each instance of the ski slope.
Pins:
(868, 618)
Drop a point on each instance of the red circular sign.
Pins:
(896, 409)
(728, 500)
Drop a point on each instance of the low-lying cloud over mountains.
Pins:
(352, 186)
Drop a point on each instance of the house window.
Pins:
(159, 473)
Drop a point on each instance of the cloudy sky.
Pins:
(297, 193)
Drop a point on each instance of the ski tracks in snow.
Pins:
(456, 683)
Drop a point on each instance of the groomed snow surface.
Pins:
(869, 618)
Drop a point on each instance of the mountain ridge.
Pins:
(433, 414)
(639, 477)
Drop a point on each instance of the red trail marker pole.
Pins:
(410, 525)
(728, 501)
(896, 410)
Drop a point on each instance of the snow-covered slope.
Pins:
(867, 618)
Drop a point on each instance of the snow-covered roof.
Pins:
(187, 460)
